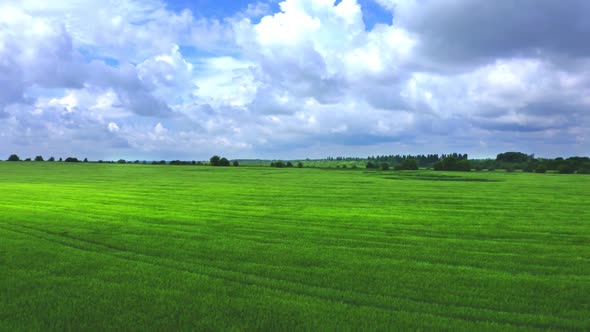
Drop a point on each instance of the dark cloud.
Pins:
(472, 32)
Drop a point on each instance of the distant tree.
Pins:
(464, 165)
(438, 166)
(28, 159)
(566, 169)
(214, 161)
(162, 162)
(13, 157)
(370, 165)
(224, 162)
(407, 164)
(236, 163)
(289, 164)
(344, 166)
(299, 165)
(39, 158)
(452, 163)
(121, 161)
(51, 159)
(514, 157)
(72, 160)
(354, 167)
(384, 166)
(60, 159)
(584, 171)
(193, 162)
(199, 163)
(541, 169)
(85, 160)
(530, 167)
(279, 164)
(100, 161)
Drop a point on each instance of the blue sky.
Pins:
(293, 79)
(212, 8)
(373, 13)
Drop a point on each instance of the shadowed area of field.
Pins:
(142, 247)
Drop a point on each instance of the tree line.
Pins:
(508, 161)
(14, 157)
(511, 161)
(423, 160)
(282, 164)
(214, 161)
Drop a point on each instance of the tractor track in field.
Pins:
(270, 283)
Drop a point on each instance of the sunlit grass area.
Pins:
(157, 247)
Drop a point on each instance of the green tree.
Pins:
(541, 169)
(299, 165)
(453, 164)
(224, 162)
(279, 164)
(236, 163)
(39, 158)
(438, 166)
(13, 157)
(514, 157)
(463, 166)
(214, 161)
(566, 168)
(51, 159)
(408, 164)
(384, 166)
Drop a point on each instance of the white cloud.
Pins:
(113, 127)
(139, 78)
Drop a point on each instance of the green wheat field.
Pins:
(155, 248)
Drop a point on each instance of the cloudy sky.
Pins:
(184, 79)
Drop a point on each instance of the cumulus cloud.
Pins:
(142, 80)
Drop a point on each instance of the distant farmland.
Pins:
(150, 247)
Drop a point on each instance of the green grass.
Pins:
(134, 247)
